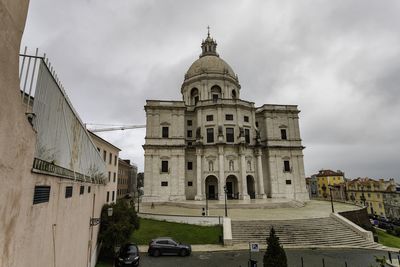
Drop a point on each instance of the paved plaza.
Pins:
(259, 209)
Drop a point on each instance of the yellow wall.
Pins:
(374, 199)
(328, 180)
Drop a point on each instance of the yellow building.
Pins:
(326, 178)
(370, 193)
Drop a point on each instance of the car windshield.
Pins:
(128, 250)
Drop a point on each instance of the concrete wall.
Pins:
(55, 233)
(198, 220)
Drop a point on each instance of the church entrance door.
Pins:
(250, 187)
(232, 187)
(211, 187)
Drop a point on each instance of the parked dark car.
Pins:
(168, 246)
(128, 255)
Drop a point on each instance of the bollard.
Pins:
(323, 262)
(345, 264)
(302, 263)
(390, 257)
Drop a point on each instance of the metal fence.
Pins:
(63, 145)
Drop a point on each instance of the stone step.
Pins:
(302, 232)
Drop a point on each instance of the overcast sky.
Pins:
(339, 61)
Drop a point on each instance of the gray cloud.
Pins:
(338, 60)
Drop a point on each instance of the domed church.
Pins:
(213, 143)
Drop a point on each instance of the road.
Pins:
(311, 258)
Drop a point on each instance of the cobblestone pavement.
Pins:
(311, 258)
(312, 209)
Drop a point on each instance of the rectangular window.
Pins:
(189, 122)
(189, 133)
(164, 183)
(41, 194)
(88, 189)
(246, 118)
(113, 195)
(229, 117)
(81, 190)
(164, 166)
(109, 176)
(115, 175)
(230, 138)
(165, 132)
(68, 191)
(286, 166)
(215, 97)
(108, 196)
(189, 143)
(210, 135)
(209, 118)
(98, 149)
(288, 181)
(110, 159)
(247, 135)
(115, 160)
(257, 124)
(190, 165)
(283, 134)
(190, 183)
(105, 156)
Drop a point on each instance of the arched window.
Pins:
(194, 96)
(216, 92)
(233, 94)
(231, 166)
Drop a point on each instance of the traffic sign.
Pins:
(254, 247)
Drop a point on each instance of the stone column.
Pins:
(199, 194)
(245, 195)
(260, 176)
(221, 169)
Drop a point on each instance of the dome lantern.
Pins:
(209, 46)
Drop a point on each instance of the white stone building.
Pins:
(214, 140)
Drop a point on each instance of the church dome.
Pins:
(209, 61)
(209, 64)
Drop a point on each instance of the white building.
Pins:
(212, 139)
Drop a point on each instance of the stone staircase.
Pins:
(316, 232)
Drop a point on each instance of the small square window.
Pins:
(164, 183)
(190, 165)
(189, 122)
(246, 118)
(189, 133)
(229, 117)
(190, 183)
(165, 132)
(209, 118)
(288, 181)
(68, 191)
(81, 190)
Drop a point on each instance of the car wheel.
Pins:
(156, 253)
(183, 252)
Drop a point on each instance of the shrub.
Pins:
(116, 230)
(275, 255)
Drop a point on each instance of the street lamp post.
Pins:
(138, 199)
(207, 204)
(226, 208)
(330, 192)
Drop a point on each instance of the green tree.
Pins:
(275, 255)
(116, 230)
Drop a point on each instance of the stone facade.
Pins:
(213, 141)
(126, 178)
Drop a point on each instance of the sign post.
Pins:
(253, 247)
